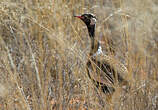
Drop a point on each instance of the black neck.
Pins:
(91, 30)
(94, 42)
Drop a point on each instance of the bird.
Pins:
(103, 70)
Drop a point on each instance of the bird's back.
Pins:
(107, 70)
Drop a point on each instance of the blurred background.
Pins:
(44, 49)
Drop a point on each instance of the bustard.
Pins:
(103, 70)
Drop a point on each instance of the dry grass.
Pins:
(43, 54)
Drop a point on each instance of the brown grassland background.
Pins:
(44, 49)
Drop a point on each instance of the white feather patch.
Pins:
(99, 51)
(93, 21)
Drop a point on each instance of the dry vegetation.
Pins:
(43, 54)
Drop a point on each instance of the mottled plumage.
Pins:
(103, 70)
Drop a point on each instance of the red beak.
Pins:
(79, 17)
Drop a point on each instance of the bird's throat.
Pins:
(94, 42)
(91, 30)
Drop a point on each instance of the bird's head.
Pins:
(88, 19)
